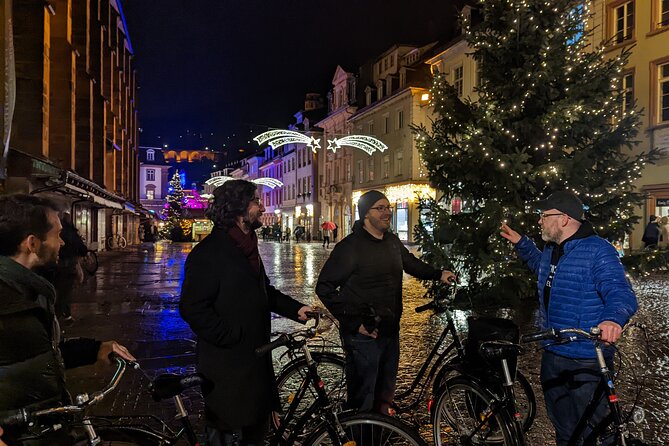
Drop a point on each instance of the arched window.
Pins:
(150, 155)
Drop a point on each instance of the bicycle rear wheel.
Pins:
(460, 412)
(122, 242)
(526, 401)
(369, 429)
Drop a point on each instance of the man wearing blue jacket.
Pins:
(582, 284)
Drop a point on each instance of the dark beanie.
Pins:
(367, 200)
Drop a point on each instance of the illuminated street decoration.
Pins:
(264, 181)
(365, 143)
(278, 138)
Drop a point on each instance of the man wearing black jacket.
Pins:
(33, 358)
(227, 300)
(361, 284)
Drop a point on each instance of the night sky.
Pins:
(226, 67)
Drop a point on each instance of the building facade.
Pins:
(645, 25)
(394, 98)
(335, 178)
(74, 129)
(153, 179)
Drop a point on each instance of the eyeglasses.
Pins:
(382, 208)
(256, 200)
(542, 215)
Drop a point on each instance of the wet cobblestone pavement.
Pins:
(134, 299)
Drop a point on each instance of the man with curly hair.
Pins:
(227, 300)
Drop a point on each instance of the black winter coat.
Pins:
(31, 368)
(229, 308)
(364, 275)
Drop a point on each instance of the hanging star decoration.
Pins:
(365, 143)
(272, 183)
(278, 138)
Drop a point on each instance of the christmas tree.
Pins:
(549, 114)
(174, 210)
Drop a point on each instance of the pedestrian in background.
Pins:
(664, 232)
(361, 285)
(68, 269)
(33, 357)
(581, 284)
(227, 300)
(651, 235)
(335, 233)
(326, 238)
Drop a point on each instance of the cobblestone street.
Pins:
(134, 299)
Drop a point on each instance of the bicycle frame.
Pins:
(433, 366)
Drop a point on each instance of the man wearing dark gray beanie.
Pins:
(361, 285)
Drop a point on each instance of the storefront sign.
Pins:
(661, 202)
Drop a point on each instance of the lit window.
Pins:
(458, 80)
(361, 172)
(150, 174)
(386, 166)
(150, 194)
(370, 169)
(628, 92)
(150, 155)
(663, 92)
(623, 22)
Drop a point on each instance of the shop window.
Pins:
(402, 221)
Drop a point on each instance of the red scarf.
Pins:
(248, 244)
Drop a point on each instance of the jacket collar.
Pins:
(359, 229)
(584, 231)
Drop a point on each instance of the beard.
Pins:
(48, 257)
(252, 223)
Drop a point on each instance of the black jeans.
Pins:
(568, 386)
(371, 371)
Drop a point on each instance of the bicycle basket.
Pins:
(483, 329)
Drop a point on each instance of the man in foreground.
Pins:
(33, 358)
(361, 285)
(581, 284)
(227, 300)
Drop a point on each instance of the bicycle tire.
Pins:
(458, 411)
(122, 242)
(110, 242)
(293, 373)
(369, 429)
(603, 432)
(526, 400)
(90, 262)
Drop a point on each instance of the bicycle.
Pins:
(116, 241)
(323, 422)
(93, 430)
(480, 417)
(440, 364)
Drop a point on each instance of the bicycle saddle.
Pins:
(169, 385)
(496, 350)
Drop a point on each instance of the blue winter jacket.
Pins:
(589, 287)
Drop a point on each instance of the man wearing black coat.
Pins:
(227, 300)
(361, 284)
(33, 358)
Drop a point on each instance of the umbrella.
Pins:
(328, 226)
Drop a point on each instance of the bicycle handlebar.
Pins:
(20, 417)
(561, 335)
(289, 338)
(284, 339)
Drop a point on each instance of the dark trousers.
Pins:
(326, 241)
(246, 436)
(569, 385)
(371, 371)
(64, 284)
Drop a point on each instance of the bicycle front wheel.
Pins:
(122, 242)
(90, 262)
(369, 429)
(463, 414)
(330, 369)
(126, 436)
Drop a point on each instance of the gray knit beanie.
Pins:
(367, 200)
